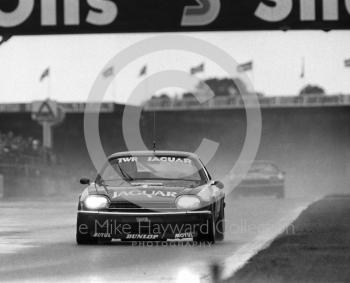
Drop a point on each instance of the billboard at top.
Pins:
(29, 17)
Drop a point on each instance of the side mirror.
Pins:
(219, 184)
(84, 181)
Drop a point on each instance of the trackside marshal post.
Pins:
(48, 114)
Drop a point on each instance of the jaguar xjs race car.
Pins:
(151, 196)
(263, 179)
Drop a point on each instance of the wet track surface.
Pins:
(37, 243)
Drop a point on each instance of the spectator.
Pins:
(18, 148)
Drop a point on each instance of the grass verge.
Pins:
(316, 248)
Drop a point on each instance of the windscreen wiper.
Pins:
(101, 182)
(125, 175)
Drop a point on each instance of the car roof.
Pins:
(259, 162)
(156, 153)
(263, 162)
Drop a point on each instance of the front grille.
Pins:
(126, 206)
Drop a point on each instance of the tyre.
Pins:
(220, 224)
(209, 235)
(85, 240)
(82, 238)
(280, 194)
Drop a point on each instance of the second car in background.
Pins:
(263, 179)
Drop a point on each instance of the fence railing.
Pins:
(237, 102)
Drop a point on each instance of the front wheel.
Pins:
(207, 233)
(281, 194)
(83, 238)
(220, 224)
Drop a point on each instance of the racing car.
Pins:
(151, 196)
(263, 178)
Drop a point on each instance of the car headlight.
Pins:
(205, 194)
(96, 202)
(280, 176)
(188, 202)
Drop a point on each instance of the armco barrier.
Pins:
(237, 102)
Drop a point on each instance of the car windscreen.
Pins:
(168, 169)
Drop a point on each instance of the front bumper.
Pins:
(144, 225)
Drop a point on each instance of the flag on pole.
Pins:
(302, 73)
(245, 67)
(45, 74)
(347, 63)
(143, 71)
(198, 69)
(108, 72)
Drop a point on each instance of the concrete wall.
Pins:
(311, 144)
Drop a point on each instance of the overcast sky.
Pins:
(75, 61)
